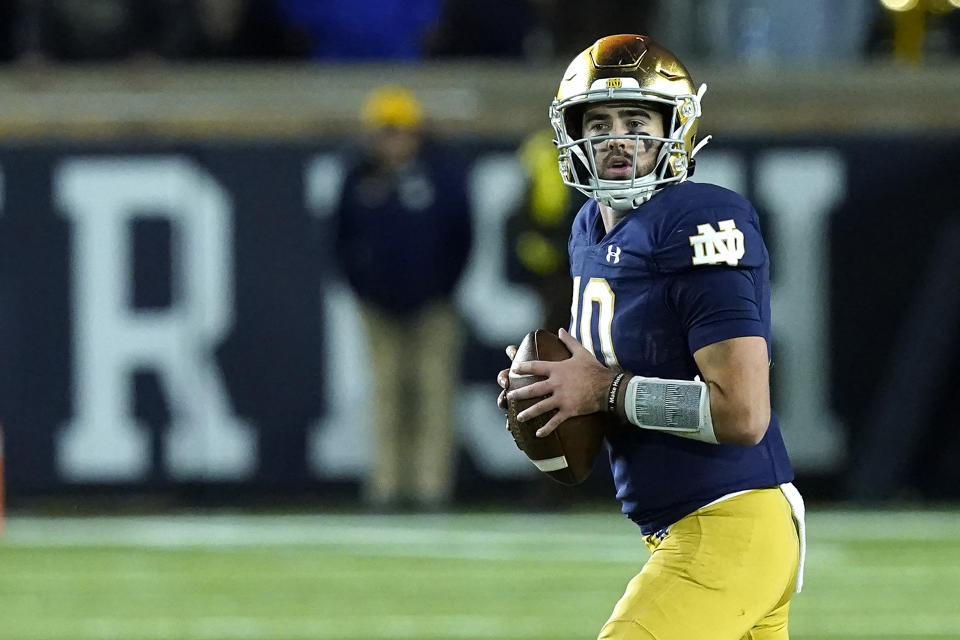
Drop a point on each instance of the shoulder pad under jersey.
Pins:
(707, 226)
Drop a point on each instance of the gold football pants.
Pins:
(724, 572)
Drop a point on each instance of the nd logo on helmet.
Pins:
(613, 83)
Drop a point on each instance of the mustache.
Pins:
(617, 156)
(616, 146)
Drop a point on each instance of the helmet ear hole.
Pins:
(579, 163)
(573, 120)
(670, 119)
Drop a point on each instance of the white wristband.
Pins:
(677, 407)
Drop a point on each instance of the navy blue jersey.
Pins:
(685, 270)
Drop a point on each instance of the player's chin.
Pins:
(617, 173)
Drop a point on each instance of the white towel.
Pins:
(796, 507)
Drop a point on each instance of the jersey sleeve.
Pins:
(716, 304)
(722, 231)
(714, 257)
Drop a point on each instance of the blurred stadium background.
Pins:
(184, 386)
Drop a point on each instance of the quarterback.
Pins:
(670, 333)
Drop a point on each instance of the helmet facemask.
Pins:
(577, 152)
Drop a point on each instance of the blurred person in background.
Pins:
(573, 22)
(242, 29)
(536, 30)
(927, 30)
(403, 235)
(478, 29)
(9, 19)
(540, 228)
(767, 32)
(97, 30)
(116, 30)
(370, 30)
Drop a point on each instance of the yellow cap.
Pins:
(391, 106)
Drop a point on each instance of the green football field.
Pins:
(870, 574)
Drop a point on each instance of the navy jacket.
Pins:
(403, 239)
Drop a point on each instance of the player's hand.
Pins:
(503, 378)
(576, 386)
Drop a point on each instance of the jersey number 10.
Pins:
(597, 292)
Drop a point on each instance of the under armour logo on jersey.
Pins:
(613, 254)
(713, 247)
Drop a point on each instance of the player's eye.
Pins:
(598, 127)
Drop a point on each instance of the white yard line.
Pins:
(345, 628)
(883, 525)
(468, 531)
(190, 531)
(570, 537)
(896, 625)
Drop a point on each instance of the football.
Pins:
(567, 454)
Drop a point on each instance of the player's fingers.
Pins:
(512, 351)
(567, 339)
(552, 424)
(545, 405)
(502, 400)
(533, 367)
(534, 390)
(503, 378)
(576, 349)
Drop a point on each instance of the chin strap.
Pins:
(626, 203)
(613, 194)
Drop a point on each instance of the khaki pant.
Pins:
(415, 362)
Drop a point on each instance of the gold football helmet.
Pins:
(623, 69)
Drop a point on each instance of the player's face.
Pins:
(614, 157)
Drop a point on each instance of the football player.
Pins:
(670, 333)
